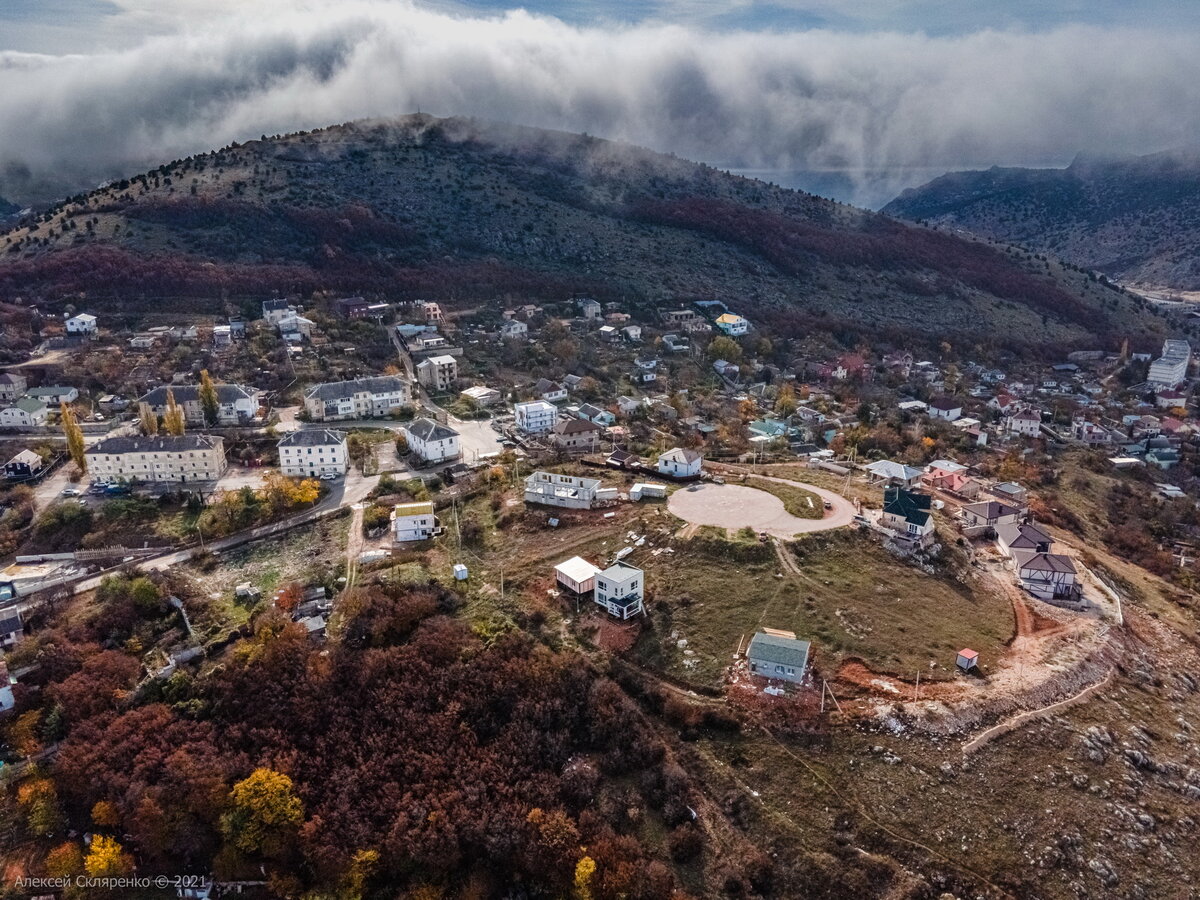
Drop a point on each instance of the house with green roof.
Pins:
(777, 656)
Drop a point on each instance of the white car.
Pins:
(329, 476)
(71, 492)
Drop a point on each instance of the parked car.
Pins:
(71, 492)
(329, 476)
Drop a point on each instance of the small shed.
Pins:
(460, 572)
(647, 489)
(967, 659)
(576, 574)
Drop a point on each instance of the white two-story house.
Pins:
(431, 441)
(414, 522)
(620, 588)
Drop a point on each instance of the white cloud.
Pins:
(812, 99)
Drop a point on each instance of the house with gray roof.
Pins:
(185, 458)
(359, 398)
(890, 472)
(313, 452)
(236, 405)
(431, 441)
(1027, 536)
(54, 394)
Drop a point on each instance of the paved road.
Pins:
(477, 437)
(736, 506)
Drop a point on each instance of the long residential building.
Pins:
(186, 458)
(360, 398)
(236, 405)
(313, 452)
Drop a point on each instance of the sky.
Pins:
(857, 99)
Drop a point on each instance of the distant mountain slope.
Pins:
(8, 209)
(457, 209)
(1137, 219)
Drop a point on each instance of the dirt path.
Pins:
(1015, 722)
(354, 543)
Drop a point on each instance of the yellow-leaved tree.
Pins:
(283, 493)
(173, 419)
(264, 812)
(585, 871)
(148, 419)
(74, 435)
(106, 858)
(209, 401)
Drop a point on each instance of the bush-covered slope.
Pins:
(458, 209)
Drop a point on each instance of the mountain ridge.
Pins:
(451, 208)
(1133, 218)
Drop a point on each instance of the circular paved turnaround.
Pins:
(737, 506)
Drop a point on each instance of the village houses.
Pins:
(680, 463)
(535, 416)
(576, 436)
(25, 413)
(12, 386)
(83, 324)
(619, 589)
(413, 522)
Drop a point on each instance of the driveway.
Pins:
(477, 438)
(734, 506)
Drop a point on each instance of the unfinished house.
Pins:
(568, 491)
